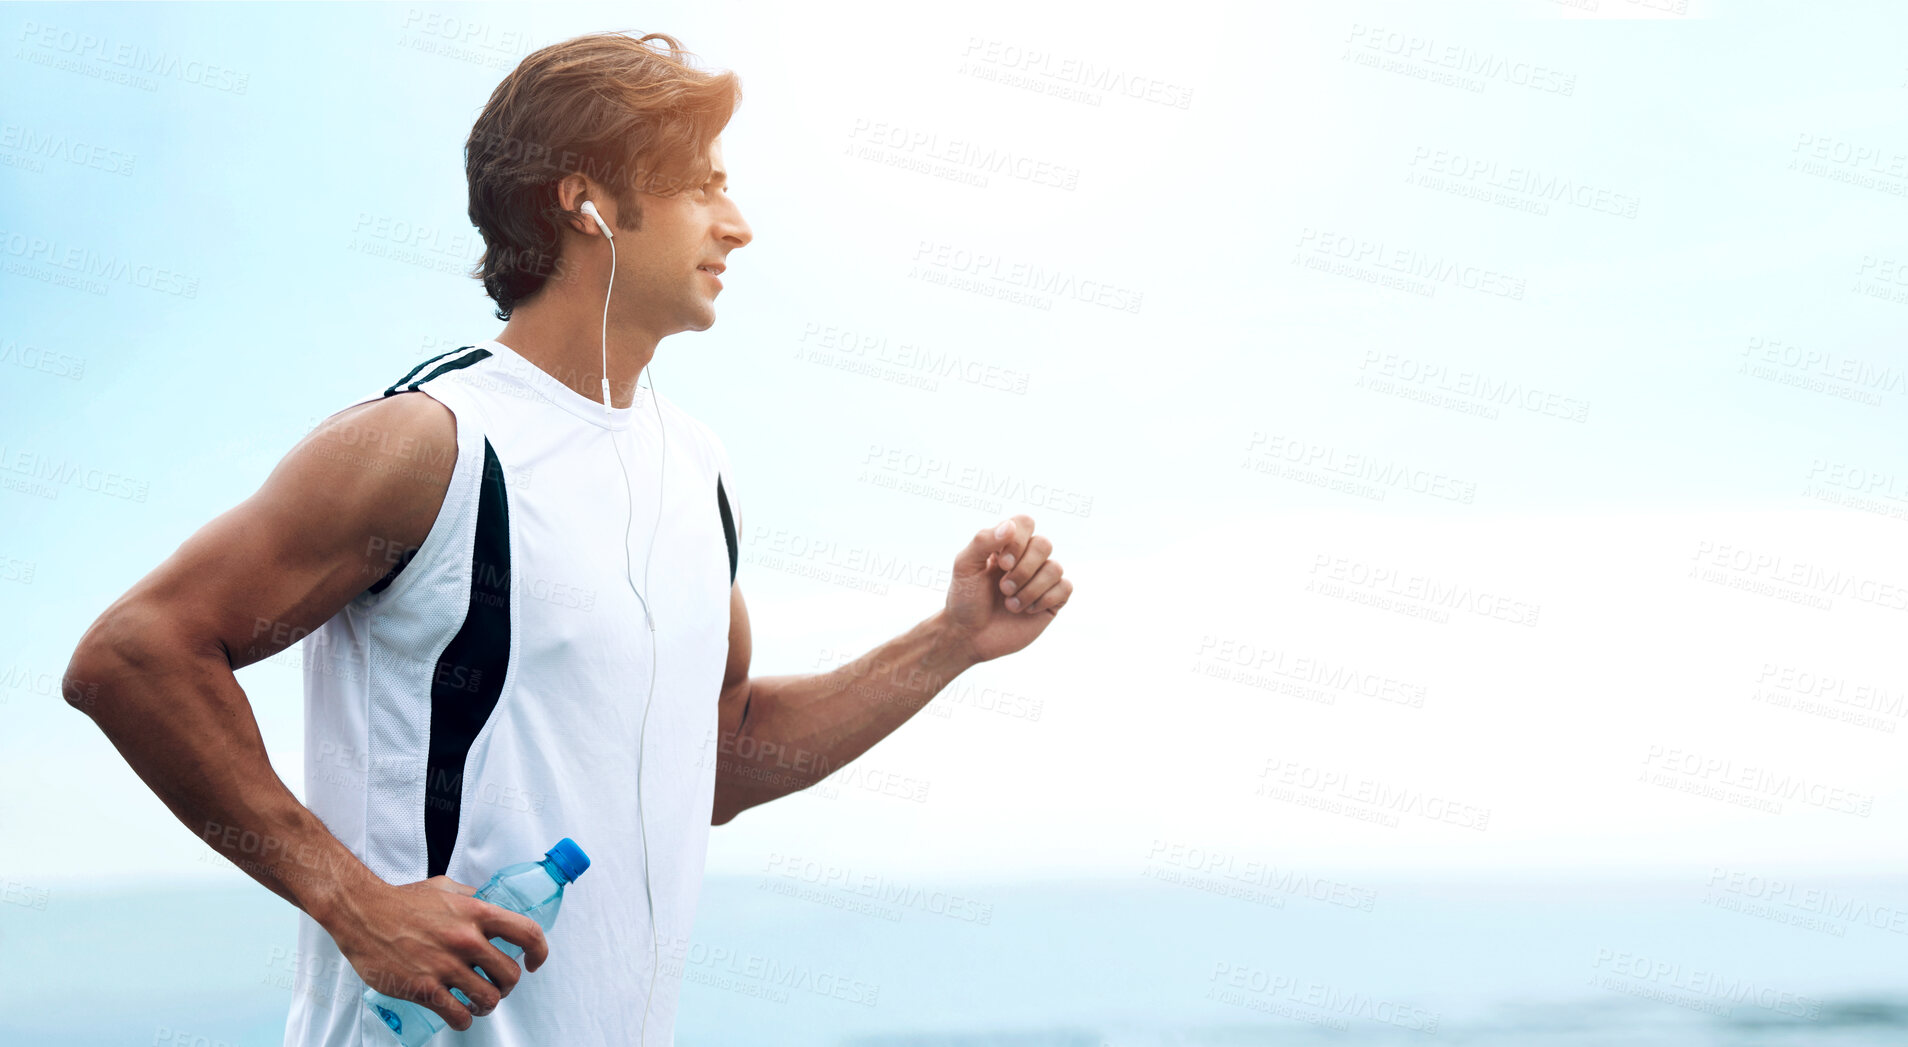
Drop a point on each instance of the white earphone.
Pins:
(588, 207)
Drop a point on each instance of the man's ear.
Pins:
(571, 191)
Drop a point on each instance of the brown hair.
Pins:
(631, 117)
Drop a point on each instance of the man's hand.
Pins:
(418, 941)
(1007, 587)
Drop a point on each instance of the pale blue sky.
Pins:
(1732, 347)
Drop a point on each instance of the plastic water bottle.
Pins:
(534, 889)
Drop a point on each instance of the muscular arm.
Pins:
(155, 671)
(780, 734)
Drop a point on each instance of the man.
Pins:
(519, 606)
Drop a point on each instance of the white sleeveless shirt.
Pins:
(490, 698)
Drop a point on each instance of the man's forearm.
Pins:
(184, 725)
(799, 729)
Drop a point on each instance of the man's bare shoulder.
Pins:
(387, 462)
(336, 514)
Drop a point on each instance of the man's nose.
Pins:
(739, 233)
(736, 229)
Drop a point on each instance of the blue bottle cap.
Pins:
(569, 858)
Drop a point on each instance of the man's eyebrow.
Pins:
(719, 176)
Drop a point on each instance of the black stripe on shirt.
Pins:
(454, 365)
(470, 672)
(413, 372)
(728, 525)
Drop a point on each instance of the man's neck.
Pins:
(566, 342)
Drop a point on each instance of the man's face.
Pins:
(660, 262)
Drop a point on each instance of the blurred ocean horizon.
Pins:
(1184, 956)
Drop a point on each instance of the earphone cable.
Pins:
(629, 523)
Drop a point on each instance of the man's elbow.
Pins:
(113, 647)
(97, 659)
